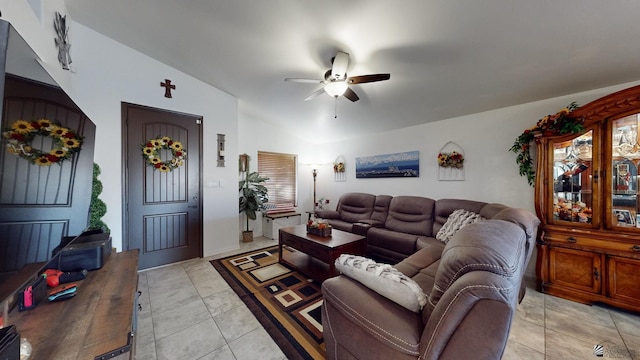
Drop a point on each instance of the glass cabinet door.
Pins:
(573, 180)
(624, 178)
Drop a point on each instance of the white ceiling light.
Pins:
(336, 88)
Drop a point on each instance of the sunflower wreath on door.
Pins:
(64, 142)
(151, 152)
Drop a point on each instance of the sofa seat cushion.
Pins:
(398, 242)
(495, 246)
(383, 279)
(358, 315)
(456, 221)
(422, 266)
(429, 242)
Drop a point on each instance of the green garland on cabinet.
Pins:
(550, 125)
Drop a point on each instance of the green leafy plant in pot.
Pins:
(253, 195)
(97, 207)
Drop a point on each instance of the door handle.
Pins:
(596, 274)
(192, 206)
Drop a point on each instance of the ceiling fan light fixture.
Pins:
(336, 88)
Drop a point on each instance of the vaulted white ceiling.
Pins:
(446, 58)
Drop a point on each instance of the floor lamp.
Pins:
(315, 175)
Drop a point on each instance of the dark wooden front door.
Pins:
(163, 216)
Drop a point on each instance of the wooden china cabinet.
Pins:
(586, 195)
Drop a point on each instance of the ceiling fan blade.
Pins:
(315, 94)
(339, 68)
(368, 78)
(301, 80)
(351, 95)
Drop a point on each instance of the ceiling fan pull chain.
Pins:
(335, 109)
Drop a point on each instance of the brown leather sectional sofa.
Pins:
(397, 227)
(473, 283)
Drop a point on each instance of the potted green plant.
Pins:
(253, 195)
(97, 207)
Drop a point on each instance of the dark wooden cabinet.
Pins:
(624, 279)
(576, 269)
(99, 322)
(587, 199)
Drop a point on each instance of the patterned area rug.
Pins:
(284, 301)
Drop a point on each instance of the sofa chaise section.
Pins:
(473, 286)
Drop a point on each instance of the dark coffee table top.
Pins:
(338, 237)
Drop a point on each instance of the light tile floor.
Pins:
(189, 312)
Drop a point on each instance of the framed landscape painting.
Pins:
(404, 164)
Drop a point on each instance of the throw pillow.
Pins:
(383, 279)
(456, 221)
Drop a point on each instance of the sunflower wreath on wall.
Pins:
(19, 138)
(151, 153)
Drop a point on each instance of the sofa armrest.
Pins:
(327, 214)
(472, 319)
(353, 311)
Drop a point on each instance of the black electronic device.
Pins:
(88, 252)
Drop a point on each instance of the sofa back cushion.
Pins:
(445, 207)
(411, 215)
(489, 211)
(494, 246)
(381, 208)
(354, 206)
(529, 223)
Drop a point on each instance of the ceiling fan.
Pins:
(336, 83)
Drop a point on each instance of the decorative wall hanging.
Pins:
(451, 162)
(19, 138)
(151, 153)
(168, 86)
(220, 150)
(243, 162)
(61, 40)
(405, 164)
(339, 170)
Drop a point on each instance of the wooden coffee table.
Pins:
(316, 255)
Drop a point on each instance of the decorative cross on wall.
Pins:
(167, 87)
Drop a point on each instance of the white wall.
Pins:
(115, 74)
(257, 135)
(491, 173)
(106, 73)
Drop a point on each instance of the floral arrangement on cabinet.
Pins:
(559, 123)
(452, 159)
